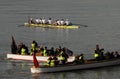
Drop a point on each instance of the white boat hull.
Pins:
(30, 57)
(75, 67)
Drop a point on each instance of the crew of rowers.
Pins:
(40, 50)
(49, 21)
(63, 53)
(100, 55)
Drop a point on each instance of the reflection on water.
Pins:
(100, 73)
(21, 70)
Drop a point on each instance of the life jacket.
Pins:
(23, 51)
(52, 63)
(96, 55)
(61, 56)
(48, 62)
(45, 52)
(33, 46)
(80, 57)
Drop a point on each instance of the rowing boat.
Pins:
(53, 26)
(30, 57)
(71, 67)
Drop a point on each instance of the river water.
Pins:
(99, 21)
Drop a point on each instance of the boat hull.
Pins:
(30, 57)
(52, 26)
(75, 67)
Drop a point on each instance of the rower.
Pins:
(67, 22)
(41, 21)
(44, 21)
(52, 61)
(56, 60)
(79, 59)
(24, 50)
(116, 55)
(30, 21)
(58, 22)
(63, 57)
(99, 54)
(62, 22)
(50, 21)
(37, 21)
(96, 55)
(19, 47)
(45, 52)
(34, 46)
(49, 61)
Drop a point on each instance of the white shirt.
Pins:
(67, 22)
(43, 21)
(37, 20)
(49, 21)
(62, 22)
(59, 22)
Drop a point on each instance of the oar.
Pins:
(29, 19)
(82, 25)
(20, 25)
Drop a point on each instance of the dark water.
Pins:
(101, 16)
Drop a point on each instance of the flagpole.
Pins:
(35, 61)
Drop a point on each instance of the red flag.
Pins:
(13, 46)
(36, 64)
